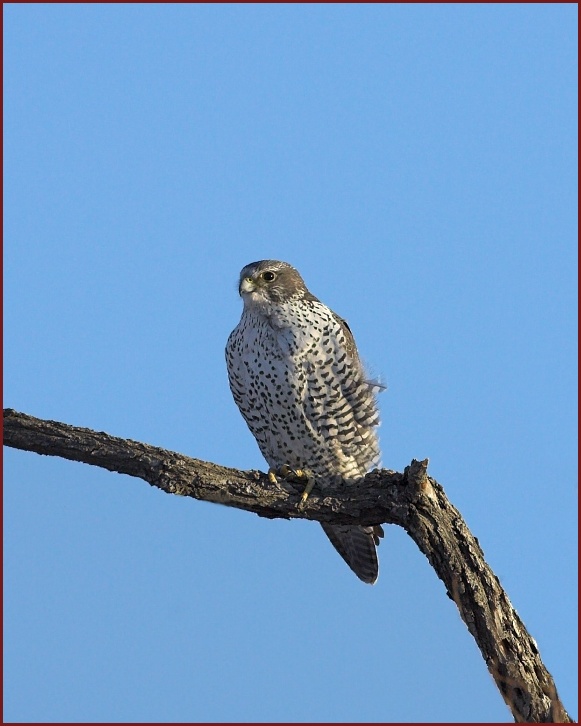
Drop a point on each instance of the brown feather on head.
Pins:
(275, 281)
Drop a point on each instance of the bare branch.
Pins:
(412, 500)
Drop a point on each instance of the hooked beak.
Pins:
(246, 286)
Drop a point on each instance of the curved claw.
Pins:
(293, 475)
(308, 475)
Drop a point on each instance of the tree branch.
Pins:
(412, 500)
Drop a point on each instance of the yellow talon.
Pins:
(306, 474)
(285, 472)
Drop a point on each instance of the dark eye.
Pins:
(268, 276)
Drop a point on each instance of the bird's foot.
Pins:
(309, 476)
(294, 475)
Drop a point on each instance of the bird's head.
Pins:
(270, 282)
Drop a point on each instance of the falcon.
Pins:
(296, 376)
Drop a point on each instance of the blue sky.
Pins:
(418, 165)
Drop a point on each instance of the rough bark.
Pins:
(412, 500)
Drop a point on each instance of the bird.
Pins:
(296, 376)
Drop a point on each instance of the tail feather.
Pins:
(356, 545)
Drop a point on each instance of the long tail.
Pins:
(356, 545)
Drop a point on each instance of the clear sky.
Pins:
(418, 164)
